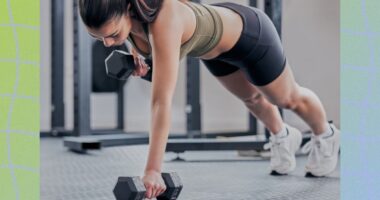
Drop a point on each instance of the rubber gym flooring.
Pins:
(205, 175)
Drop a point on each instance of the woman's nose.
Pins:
(108, 42)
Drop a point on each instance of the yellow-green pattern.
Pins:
(19, 99)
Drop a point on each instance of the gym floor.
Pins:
(205, 175)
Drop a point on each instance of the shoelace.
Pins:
(277, 153)
(316, 143)
(272, 142)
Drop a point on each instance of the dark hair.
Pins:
(95, 13)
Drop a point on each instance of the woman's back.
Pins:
(207, 28)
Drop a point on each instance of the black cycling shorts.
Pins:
(258, 52)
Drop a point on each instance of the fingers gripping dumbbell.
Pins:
(120, 65)
(132, 188)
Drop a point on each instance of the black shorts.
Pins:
(258, 52)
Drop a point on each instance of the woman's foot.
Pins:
(283, 148)
(324, 153)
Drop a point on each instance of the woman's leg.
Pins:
(283, 158)
(260, 107)
(286, 93)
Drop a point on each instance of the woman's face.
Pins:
(114, 32)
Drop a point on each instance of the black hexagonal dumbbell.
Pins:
(120, 65)
(132, 188)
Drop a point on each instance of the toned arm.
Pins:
(165, 37)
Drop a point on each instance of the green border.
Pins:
(19, 99)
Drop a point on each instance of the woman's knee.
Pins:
(290, 101)
(253, 99)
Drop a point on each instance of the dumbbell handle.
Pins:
(170, 179)
(120, 65)
(148, 75)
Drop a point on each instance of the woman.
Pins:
(240, 47)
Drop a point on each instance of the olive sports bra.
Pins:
(207, 34)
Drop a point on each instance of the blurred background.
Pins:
(310, 35)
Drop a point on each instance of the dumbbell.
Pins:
(120, 65)
(132, 188)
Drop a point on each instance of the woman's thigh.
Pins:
(233, 79)
(238, 84)
(283, 89)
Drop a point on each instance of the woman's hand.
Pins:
(141, 67)
(154, 184)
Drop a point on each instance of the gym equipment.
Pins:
(132, 188)
(83, 82)
(120, 65)
(96, 142)
(95, 139)
(57, 64)
(102, 83)
(222, 144)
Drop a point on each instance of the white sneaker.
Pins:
(283, 149)
(323, 157)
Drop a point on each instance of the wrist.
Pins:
(152, 170)
(152, 167)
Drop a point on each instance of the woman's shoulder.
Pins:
(168, 16)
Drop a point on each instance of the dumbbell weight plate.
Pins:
(129, 188)
(173, 186)
(119, 65)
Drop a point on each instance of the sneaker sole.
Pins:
(274, 173)
(310, 175)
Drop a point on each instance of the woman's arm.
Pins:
(165, 37)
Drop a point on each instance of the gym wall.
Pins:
(310, 32)
(311, 41)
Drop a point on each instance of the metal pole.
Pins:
(273, 8)
(253, 3)
(193, 106)
(120, 107)
(57, 65)
(252, 120)
(82, 76)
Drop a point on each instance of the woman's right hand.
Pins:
(141, 67)
(154, 184)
